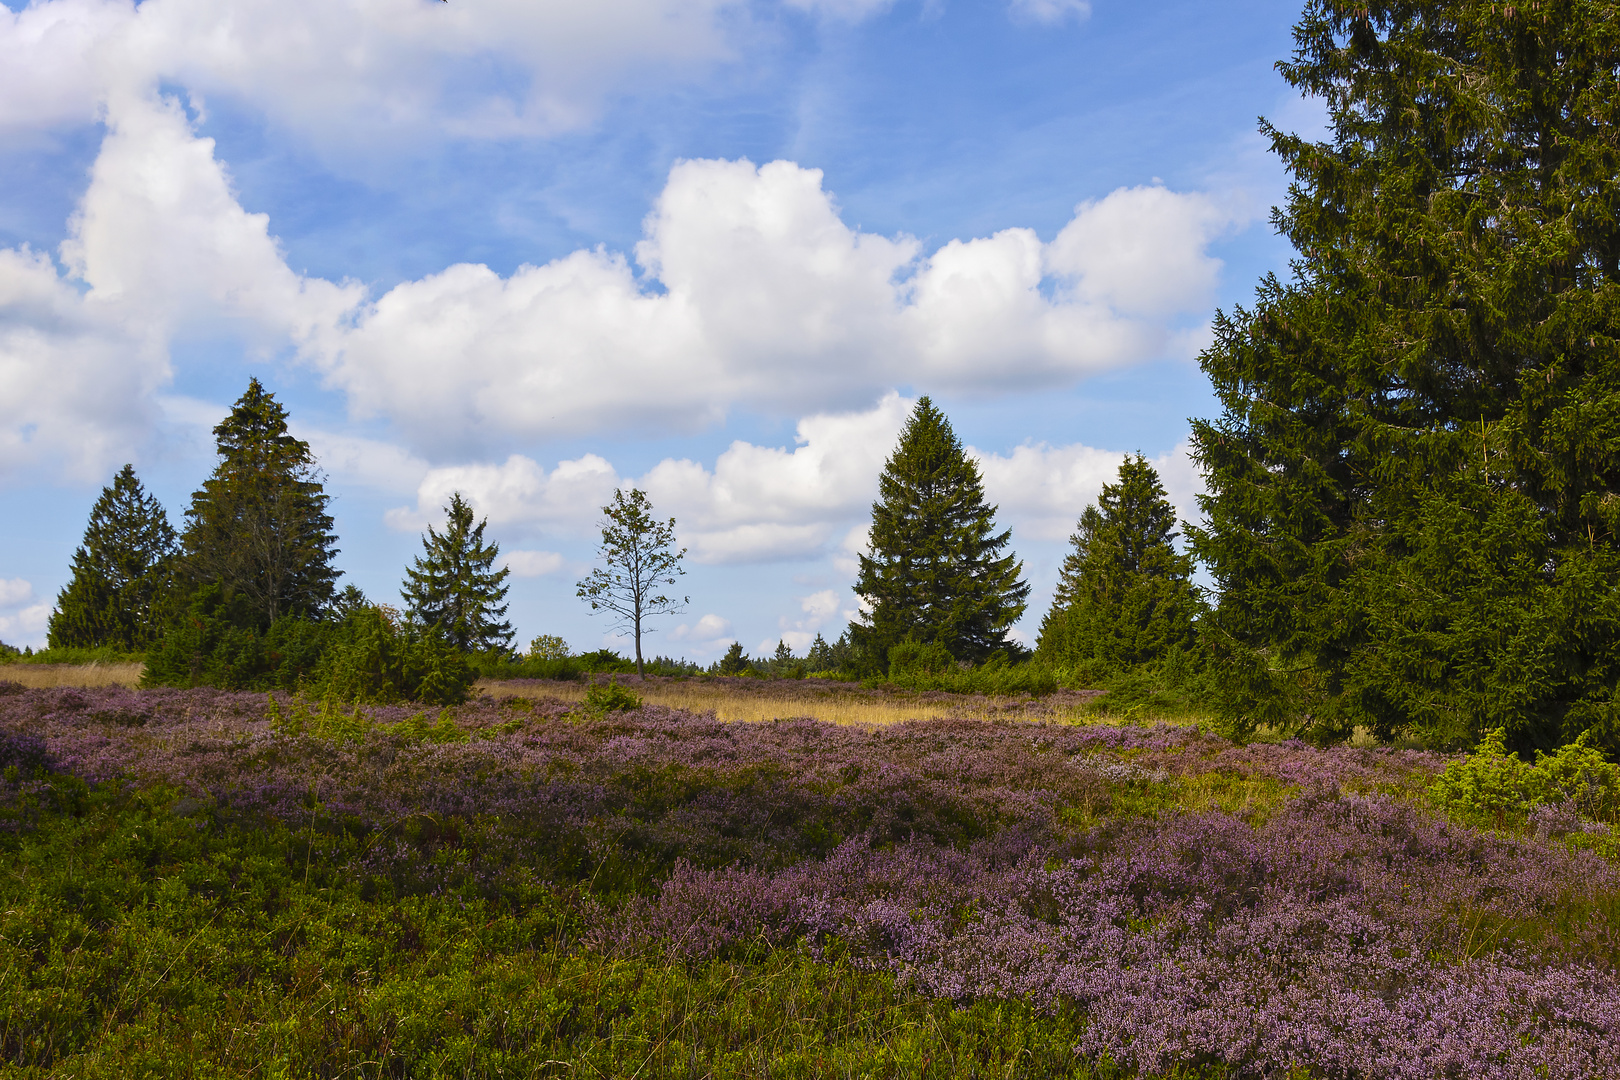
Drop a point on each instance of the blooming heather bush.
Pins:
(1155, 879)
(1346, 934)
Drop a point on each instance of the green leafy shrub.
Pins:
(351, 724)
(920, 658)
(1178, 685)
(370, 658)
(608, 696)
(1496, 787)
(216, 644)
(330, 721)
(997, 675)
(547, 647)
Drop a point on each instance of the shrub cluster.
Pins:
(368, 657)
(1572, 789)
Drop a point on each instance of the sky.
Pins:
(534, 250)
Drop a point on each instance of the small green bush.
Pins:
(547, 647)
(920, 658)
(368, 657)
(351, 724)
(214, 644)
(1177, 685)
(608, 696)
(1497, 788)
(995, 676)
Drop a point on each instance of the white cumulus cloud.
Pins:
(755, 503)
(709, 629)
(815, 612)
(752, 293)
(159, 240)
(76, 376)
(1143, 250)
(357, 74)
(763, 502)
(534, 563)
(22, 622)
(15, 592)
(354, 76)
(160, 233)
(755, 293)
(516, 492)
(1041, 489)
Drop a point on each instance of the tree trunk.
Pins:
(640, 674)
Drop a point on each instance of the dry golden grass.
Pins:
(838, 703)
(36, 676)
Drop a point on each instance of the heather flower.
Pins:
(1347, 930)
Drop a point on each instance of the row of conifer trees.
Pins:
(938, 579)
(245, 595)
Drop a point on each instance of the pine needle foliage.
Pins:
(1413, 514)
(1125, 595)
(258, 526)
(935, 572)
(454, 587)
(121, 573)
(639, 560)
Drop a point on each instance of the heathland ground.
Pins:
(739, 877)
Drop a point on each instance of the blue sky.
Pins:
(532, 250)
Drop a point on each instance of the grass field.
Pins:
(196, 883)
(37, 676)
(746, 699)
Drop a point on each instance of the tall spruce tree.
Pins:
(1125, 595)
(1413, 509)
(120, 573)
(936, 572)
(455, 587)
(258, 526)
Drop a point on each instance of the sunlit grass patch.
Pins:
(43, 676)
(838, 703)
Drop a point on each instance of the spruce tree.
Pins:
(1413, 509)
(1125, 596)
(258, 526)
(735, 662)
(820, 655)
(120, 573)
(455, 588)
(935, 572)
